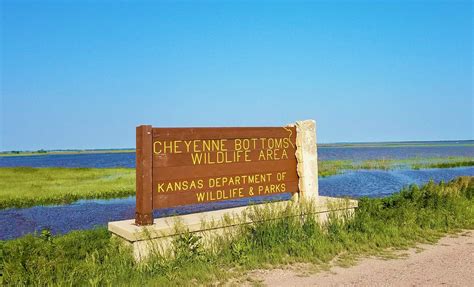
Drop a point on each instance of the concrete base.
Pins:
(157, 238)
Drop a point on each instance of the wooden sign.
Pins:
(182, 166)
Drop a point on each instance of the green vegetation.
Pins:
(445, 164)
(21, 187)
(332, 167)
(378, 226)
(461, 143)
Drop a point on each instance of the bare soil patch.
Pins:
(450, 262)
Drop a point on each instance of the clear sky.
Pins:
(83, 74)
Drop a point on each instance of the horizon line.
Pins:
(322, 143)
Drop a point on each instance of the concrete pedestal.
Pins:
(157, 238)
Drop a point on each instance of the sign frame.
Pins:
(146, 135)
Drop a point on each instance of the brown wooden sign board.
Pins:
(183, 166)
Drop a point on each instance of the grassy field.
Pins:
(23, 187)
(20, 187)
(378, 226)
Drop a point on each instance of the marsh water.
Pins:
(86, 214)
(104, 160)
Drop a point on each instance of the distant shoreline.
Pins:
(460, 143)
(64, 152)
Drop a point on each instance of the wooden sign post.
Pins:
(183, 166)
(144, 176)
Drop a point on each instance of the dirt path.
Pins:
(450, 262)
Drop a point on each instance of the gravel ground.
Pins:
(450, 262)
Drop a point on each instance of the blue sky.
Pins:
(83, 74)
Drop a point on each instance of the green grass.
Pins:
(379, 225)
(460, 163)
(22, 187)
(332, 167)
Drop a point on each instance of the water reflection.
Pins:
(86, 214)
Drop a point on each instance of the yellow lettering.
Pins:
(168, 147)
(216, 145)
(197, 158)
(200, 196)
(279, 143)
(275, 154)
(269, 154)
(176, 150)
(262, 142)
(184, 185)
(247, 156)
(246, 144)
(187, 143)
(157, 147)
(206, 145)
(160, 187)
(196, 145)
(271, 143)
(237, 144)
(254, 142)
(223, 148)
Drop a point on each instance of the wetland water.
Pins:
(86, 214)
(105, 160)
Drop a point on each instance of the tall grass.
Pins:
(460, 163)
(416, 214)
(25, 186)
